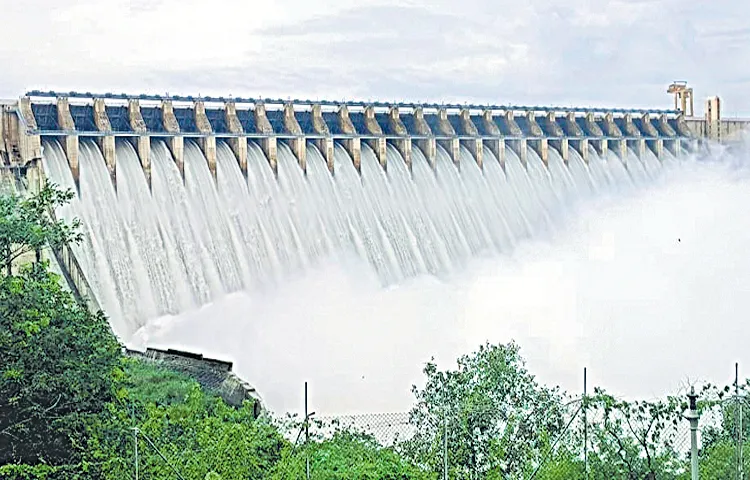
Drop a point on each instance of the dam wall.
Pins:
(141, 119)
(259, 188)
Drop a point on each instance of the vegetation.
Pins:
(72, 406)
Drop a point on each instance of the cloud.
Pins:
(607, 52)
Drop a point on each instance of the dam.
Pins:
(186, 199)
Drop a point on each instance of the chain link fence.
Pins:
(597, 437)
(592, 437)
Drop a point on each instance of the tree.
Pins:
(347, 455)
(58, 361)
(493, 414)
(27, 224)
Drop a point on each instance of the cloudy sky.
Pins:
(572, 52)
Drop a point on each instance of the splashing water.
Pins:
(354, 280)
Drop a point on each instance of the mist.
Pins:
(646, 288)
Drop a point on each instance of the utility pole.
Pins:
(692, 415)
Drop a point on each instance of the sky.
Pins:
(618, 53)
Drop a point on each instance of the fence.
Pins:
(592, 437)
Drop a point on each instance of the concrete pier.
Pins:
(24, 147)
(428, 146)
(379, 144)
(353, 146)
(648, 129)
(554, 129)
(672, 144)
(592, 128)
(451, 145)
(107, 142)
(268, 142)
(142, 141)
(612, 130)
(578, 142)
(325, 145)
(629, 129)
(519, 146)
(403, 143)
(297, 144)
(70, 140)
(540, 145)
(207, 141)
(175, 142)
(474, 145)
(495, 144)
(238, 144)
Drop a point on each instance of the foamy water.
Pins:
(649, 288)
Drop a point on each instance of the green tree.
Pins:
(634, 440)
(347, 455)
(496, 417)
(58, 361)
(182, 428)
(27, 224)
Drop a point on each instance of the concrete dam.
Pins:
(184, 200)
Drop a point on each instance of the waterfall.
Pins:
(186, 241)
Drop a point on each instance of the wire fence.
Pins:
(592, 437)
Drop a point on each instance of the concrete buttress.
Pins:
(601, 146)
(28, 146)
(297, 143)
(639, 145)
(325, 145)
(671, 144)
(474, 145)
(403, 143)
(612, 130)
(176, 142)
(377, 144)
(539, 144)
(143, 141)
(496, 145)
(561, 143)
(427, 145)
(518, 145)
(207, 140)
(648, 129)
(267, 144)
(70, 141)
(107, 142)
(352, 145)
(446, 129)
(580, 144)
(238, 144)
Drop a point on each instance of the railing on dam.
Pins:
(478, 128)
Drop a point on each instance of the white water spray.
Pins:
(353, 281)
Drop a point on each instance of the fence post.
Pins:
(445, 444)
(585, 431)
(692, 415)
(135, 438)
(307, 438)
(739, 402)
